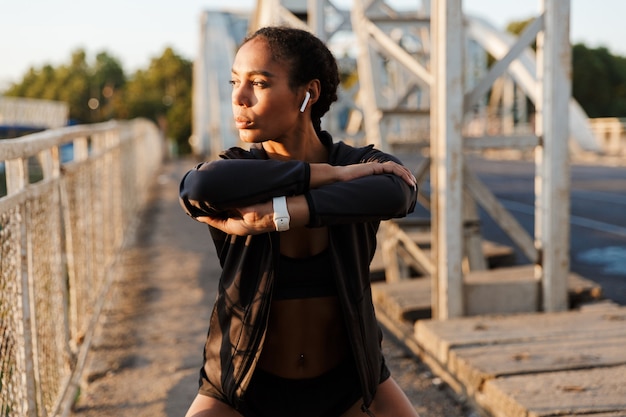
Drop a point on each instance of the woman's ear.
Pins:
(313, 88)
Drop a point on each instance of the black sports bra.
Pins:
(304, 277)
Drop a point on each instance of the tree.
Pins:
(101, 91)
(77, 84)
(517, 27)
(73, 86)
(163, 93)
(599, 81)
(598, 77)
(108, 79)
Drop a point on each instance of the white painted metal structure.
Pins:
(33, 113)
(414, 89)
(447, 158)
(213, 129)
(443, 74)
(611, 132)
(552, 179)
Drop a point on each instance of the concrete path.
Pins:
(147, 351)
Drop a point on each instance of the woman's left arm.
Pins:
(388, 191)
(370, 198)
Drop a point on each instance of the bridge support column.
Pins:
(447, 162)
(552, 180)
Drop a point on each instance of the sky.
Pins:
(34, 33)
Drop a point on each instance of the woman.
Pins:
(293, 331)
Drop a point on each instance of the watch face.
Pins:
(282, 224)
(281, 214)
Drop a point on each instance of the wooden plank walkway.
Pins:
(516, 363)
(522, 365)
(410, 299)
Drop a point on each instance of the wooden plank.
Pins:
(496, 254)
(407, 300)
(501, 291)
(438, 338)
(581, 392)
(518, 290)
(610, 414)
(475, 365)
(525, 327)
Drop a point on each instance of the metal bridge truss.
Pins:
(424, 82)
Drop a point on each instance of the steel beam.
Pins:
(552, 181)
(447, 164)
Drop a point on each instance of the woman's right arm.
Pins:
(217, 187)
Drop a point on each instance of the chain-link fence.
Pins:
(67, 199)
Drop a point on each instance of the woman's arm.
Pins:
(214, 188)
(324, 174)
(360, 192)
(218, 187)
(234, 195)
(368, 198)
(258, 218)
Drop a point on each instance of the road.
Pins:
(598, 216)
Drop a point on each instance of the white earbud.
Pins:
(307, 96)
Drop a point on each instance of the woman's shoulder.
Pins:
(239, 153)
(343, 153)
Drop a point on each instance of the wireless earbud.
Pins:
(307, 96)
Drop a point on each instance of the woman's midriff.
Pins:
(305, 338)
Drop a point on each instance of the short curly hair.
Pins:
(308, 59)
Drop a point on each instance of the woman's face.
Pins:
(264, 107)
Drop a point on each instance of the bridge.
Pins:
(65, 224)
(19, 116)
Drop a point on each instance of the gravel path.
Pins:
(146, 353)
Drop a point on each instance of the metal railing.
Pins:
(71, 196)
(611, 133)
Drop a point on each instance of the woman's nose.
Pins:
(239, 97)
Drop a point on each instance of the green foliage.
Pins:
(163, 93)
(598, 77)
(517, 27)
(599, 81)
(75, 83)
(99, 90)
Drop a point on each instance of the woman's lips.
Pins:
(242, 123)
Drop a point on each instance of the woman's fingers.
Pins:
(401, 171)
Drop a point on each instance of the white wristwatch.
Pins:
(281, 214)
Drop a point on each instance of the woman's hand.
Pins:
(251, 220)
(324, 174)
(350, 172)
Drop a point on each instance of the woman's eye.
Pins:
(233, 82)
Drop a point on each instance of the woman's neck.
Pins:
(306, 147)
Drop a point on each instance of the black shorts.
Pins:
(328, 395)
